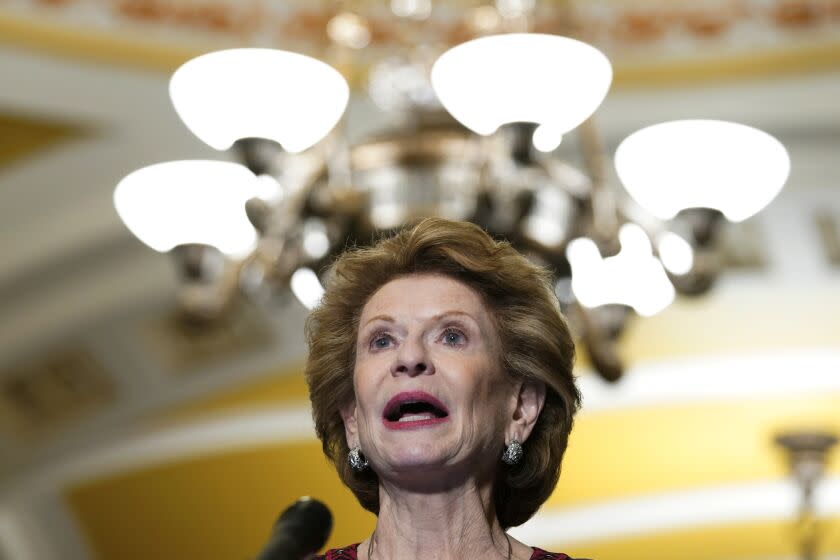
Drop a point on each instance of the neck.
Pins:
(454, 523)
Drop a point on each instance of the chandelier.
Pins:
(474, 137)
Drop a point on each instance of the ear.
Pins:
(529, 404)
(351, 432)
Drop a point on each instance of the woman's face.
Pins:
(430, 390)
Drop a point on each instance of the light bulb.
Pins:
(546, 138)
(633, 277)
(306, 287)
(675, 252)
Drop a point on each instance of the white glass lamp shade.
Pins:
(633, 277)
(227, 95)
(675, 165)
(191, 201)
(554, 81)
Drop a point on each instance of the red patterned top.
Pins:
(350, 553)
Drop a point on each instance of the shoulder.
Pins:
(346, 553)
(540, 554)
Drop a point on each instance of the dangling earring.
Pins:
(513, 452)
(357, 461)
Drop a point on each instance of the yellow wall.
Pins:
(219, 506)
(222, 505)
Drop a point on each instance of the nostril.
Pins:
(420, 368)
(411, 369)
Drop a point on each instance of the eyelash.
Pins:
(379, 335)
(449, 330)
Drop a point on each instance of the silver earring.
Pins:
(357, 461)
(513, 452)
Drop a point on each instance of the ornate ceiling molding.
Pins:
(650, 43)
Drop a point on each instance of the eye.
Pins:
(380, 340)
(453, 337)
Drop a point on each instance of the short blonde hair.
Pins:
(536, 345)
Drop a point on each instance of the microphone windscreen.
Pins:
(302, 529)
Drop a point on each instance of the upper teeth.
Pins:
(413, 417)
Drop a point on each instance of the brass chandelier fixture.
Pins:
(474, 137)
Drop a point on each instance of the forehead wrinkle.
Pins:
(436, 317)
(381, 317)
(485, 319)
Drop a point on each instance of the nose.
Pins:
(412, 359)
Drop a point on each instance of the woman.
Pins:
(440, 373)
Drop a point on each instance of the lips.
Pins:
(413, 409)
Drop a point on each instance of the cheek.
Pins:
(497, 393)
(362, 373)
(485, 391)
(365, 384)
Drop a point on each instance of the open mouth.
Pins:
(414, 408)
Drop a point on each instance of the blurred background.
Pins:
(152, 404)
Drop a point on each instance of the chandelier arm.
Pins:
(338, 163)
(486, 178)
(599, 332)
(605, 213)
(308, 168)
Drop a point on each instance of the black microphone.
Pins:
(300, 531)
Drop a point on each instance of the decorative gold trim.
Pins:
(787, 61)
(91, 45)
(133, 51)
(22, 136)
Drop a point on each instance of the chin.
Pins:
(417, 455)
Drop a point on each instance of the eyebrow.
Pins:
(437, 317)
